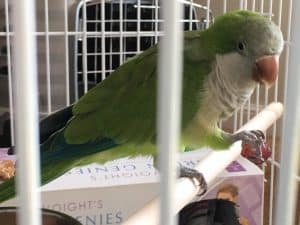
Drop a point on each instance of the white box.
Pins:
(108, 194)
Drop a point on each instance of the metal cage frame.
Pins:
(24, 110)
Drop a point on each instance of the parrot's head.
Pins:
(253, 41)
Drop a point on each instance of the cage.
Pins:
(81, 42)
(130, 27)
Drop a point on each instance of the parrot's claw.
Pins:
(253, 138)
(195, 176)
(254, 146)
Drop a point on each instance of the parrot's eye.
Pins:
(241, 46)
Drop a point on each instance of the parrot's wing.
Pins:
(130, 92)
(123, 106)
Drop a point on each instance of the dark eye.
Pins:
(241, 46)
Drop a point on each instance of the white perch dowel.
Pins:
(218, 160)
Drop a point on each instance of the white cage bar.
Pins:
(26, 112)
(289, 166)
(169, 107)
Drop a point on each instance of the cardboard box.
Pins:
(247, 181)
(108, 194)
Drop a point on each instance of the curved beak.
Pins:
(266, 69)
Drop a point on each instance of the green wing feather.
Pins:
(123, 107)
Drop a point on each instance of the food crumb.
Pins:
(7, 169)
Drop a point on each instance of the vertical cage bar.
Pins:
(253, 5)
(169, 107)
(224, 6)
(248, 103)
(111, 38)
(190, 14)
(235, 115)
(248, 109)
(96, 43)
(47, 44)
(257, 91)
(262, 3)
(245, 4)
(270, 11)
(207, 14)
(241, 4)
(138, 43)
(26, 112)
(103, 60)
(274, 134)
(288, 45)
(220, 124)
(121, 30)
(235, 120)
(84, 48)
(279, 12)
(286, 204)
(10, 87)
(241, 116)
(272, 176)
(153, 22)
(124, 40)
(257, 94)
(156, 21)
(67, 69)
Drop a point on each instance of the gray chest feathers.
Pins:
(229, 85)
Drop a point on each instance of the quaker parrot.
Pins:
(222, 65)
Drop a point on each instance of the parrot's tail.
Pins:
(58, 157)
(7, 190)
(48, 126)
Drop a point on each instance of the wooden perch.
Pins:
(219, 160)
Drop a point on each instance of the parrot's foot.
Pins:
(195, 176)
(253, 138)
(254, 146)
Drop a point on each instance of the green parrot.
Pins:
(221, 67)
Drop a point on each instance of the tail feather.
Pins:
(57, 149)
(64, 157)
(7, 190)
(58, 157)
